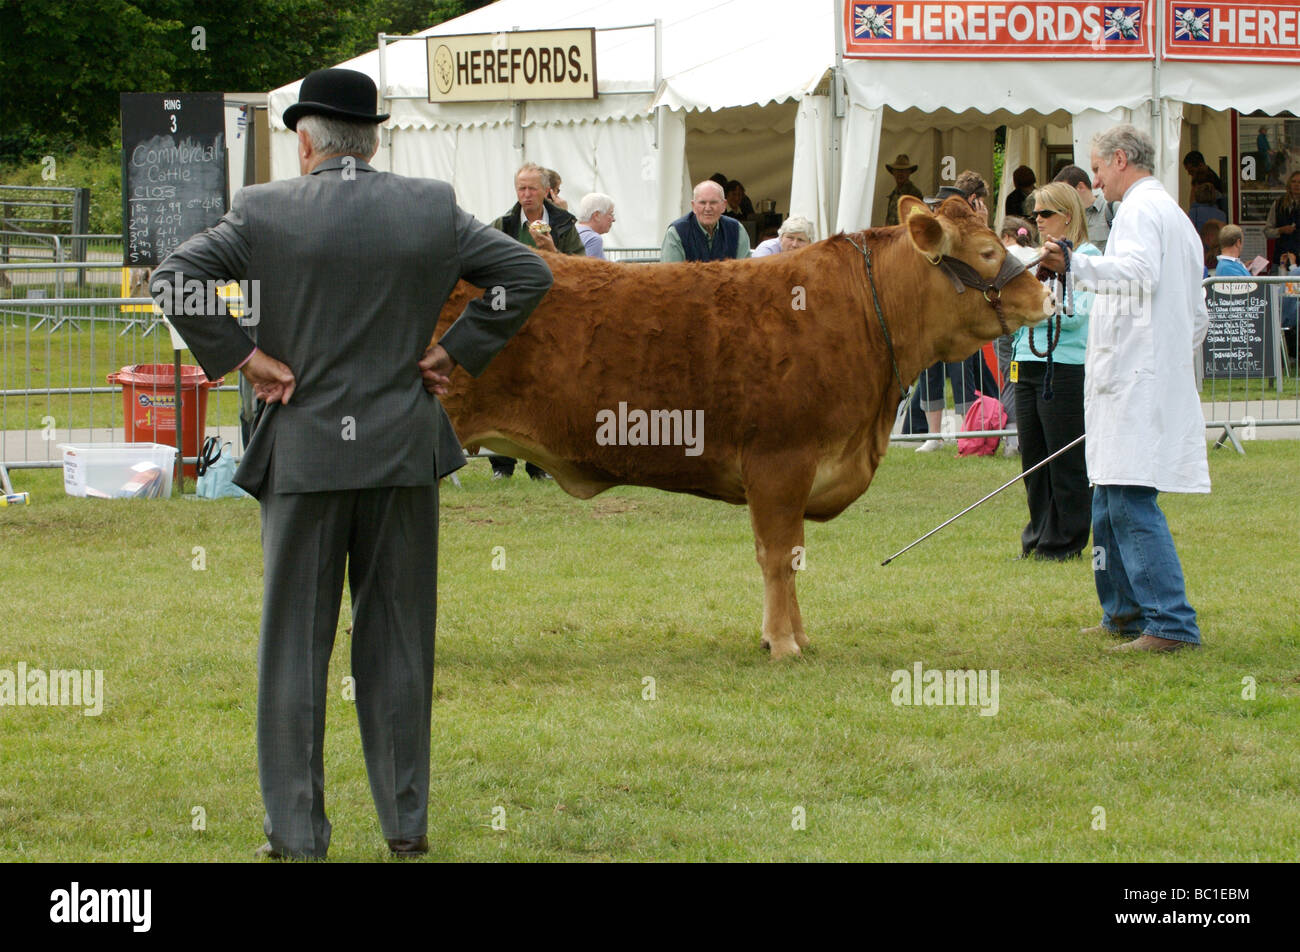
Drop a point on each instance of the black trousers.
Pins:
(506, 466)
(1060, 499)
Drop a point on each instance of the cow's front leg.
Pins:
(778, 541)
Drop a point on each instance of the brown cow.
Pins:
(784, 355)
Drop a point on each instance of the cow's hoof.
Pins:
(801, 639)
(785, 649)
(764, 643)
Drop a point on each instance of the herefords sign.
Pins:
(1245, 32)
(964, 29)
(533, 64)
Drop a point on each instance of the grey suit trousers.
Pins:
(388, 539)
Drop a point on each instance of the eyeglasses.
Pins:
(1045, 213)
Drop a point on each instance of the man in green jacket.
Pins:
(538, 223)
(534, 220)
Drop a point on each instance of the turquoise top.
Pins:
(1074, 330)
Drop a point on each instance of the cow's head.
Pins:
(957, 232)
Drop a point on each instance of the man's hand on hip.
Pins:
(435, 367)
(272, 381)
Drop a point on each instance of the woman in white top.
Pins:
(795, 232)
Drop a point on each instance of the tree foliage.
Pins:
(63, 63)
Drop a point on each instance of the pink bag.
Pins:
(986, 413)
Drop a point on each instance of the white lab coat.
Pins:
(1142, 412)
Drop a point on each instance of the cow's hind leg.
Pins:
(776, 513)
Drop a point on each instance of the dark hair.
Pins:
(719, 178)
(1023, 177)
(1074, 176)
(733, 184)
(1024, 233)
(1203, 192)
(1193, 158)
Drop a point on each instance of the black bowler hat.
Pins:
(339, 93)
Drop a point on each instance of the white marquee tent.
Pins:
(737, 94)
(744, 87)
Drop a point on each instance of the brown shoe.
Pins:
(404, 849)
(1103, 630)
(1152, 643)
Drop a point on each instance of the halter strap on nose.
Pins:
(963, 276)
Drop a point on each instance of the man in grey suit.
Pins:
(353, 266)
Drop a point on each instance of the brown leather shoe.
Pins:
(1152, 643)
(1103, 630)
(405, 849)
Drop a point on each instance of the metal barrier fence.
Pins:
(1247, 368)
(642, 255)
(65, 325)
(1252, 389)
(53, 209)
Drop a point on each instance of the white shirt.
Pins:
(1142, 412)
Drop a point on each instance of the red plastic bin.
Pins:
(149, 405)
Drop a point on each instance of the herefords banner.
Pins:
(531, 64)
(964, 29)
(1242, 32)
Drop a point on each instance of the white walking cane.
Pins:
(1063, 449)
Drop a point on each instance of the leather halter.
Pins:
(964, 276)
(880, 314)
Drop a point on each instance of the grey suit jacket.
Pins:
(353, 266)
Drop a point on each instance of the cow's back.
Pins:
(772, 351)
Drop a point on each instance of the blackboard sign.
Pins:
(1240, 341)
(173, 171)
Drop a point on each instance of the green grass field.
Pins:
(540, 715)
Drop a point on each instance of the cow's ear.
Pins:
(928, 232)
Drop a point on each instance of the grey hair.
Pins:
(594, 202)
(695, 192)
(798, 225)
(534, 167)
(1130, 140)
(331, 136)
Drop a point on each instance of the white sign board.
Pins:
(527, 64)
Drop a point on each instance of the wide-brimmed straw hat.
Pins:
(902, 163)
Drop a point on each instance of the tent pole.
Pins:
(1156, 119)
(837, 116)
(659, 78)
(385, 137)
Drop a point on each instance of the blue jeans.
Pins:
(1138, 575)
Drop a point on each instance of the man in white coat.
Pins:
(1142, 414)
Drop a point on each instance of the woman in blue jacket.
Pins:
(1060, 499)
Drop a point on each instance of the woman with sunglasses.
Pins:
(1060, 499)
